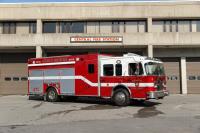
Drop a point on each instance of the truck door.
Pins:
(87, 83)
(135, 72)
(111, 76)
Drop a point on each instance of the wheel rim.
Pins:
(120, 97)
(52, 95)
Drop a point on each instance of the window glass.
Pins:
(115, 27)
(65, 27)
(174, 77)
(49, 27)
(32, 27)
(198, 77)
(12, 28)
(7, 79)
(198, 25)
(24, 78)
(153, 68)
(118, 69)
(77, 27)
(90, 68)
(158, 26)
(184, 26)
(15, 78)
(192, 77)
(108, 70)
(9, 28)
(132, 68)
(6, 28)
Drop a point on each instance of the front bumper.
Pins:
(157, 94)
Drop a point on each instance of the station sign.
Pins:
(96, 39)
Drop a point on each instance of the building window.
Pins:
(15, 78)
(7, 78)
(77, 27)
(174, 77)
(108, 70)
(115, 27)
(65, 27)
(49, 27)
(24, 78)
(184, 26)
(9, 28)
(32, 27)
(135, 26)
(172, 26)
(72, 27)
(192, 77)
(118, 69)
(198, 26)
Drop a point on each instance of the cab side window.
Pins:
(108, 70)
(132, 69)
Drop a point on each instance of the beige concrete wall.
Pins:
(100, 10)
(137, 39)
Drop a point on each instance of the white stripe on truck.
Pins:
(89, 82)
(52, 64)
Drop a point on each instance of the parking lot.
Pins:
(176, 113)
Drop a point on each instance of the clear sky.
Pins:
(27, 1)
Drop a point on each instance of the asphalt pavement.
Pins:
(174, 114)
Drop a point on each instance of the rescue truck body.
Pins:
(120, 78)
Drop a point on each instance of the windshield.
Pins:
(153, 68)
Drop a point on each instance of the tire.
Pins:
(52, 95)
(121, 97)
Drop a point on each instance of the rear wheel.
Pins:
(52, 95)
(121, 97)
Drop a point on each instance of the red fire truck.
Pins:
(120, 78)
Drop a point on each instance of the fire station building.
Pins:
(166, 30)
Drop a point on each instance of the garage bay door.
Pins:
(13, 73)
(193, 75)
(172, 70)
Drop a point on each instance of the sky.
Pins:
(30, 1)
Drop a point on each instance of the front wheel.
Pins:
(52, 95)
(121, 97)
